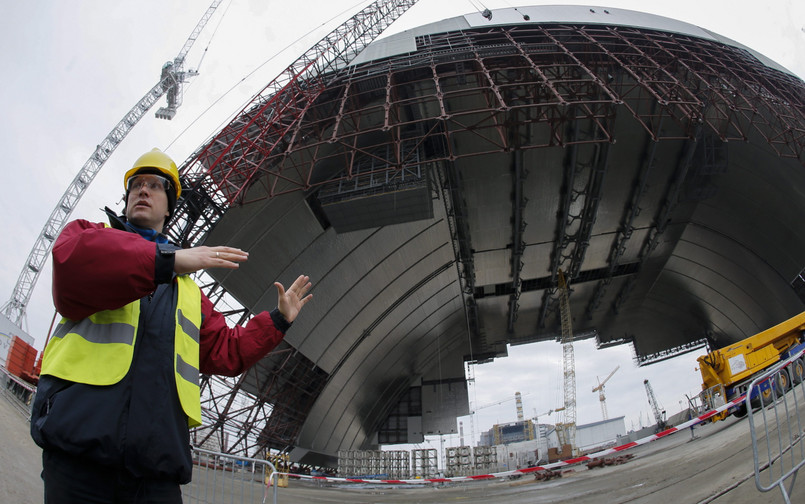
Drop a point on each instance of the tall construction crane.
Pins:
(173, 75)
(659, 413)
(567, 429)
(600, 390)
(546, 413)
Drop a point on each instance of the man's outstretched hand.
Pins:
(197, 258)
(291, 301)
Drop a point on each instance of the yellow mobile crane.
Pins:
(727, 372)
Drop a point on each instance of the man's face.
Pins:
(147, 204)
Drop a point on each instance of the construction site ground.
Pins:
(714, 467)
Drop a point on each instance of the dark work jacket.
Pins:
(137, 424)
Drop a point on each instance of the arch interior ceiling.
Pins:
(437, 186)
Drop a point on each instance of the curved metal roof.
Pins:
(548, 14)
(454, 169)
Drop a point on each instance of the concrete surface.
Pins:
(20, 458)
(716, 467)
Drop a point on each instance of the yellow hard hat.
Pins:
(159, 161)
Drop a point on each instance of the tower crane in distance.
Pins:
(659, 413)
(600, 389)
(173, 72)
(173, 75)
(567, 429)
(546, 413)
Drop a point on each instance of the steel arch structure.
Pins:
(477, 92)
(216, 175)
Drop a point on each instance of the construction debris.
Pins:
(608, 461)
(547, 475)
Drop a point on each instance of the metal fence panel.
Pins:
(776, 410)
(221, 478)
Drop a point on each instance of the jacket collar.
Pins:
(119, 222)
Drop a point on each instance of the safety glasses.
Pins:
(149, 181)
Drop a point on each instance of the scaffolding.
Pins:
(459, 461)
(485, 458)
(395, 464)
(425, 462)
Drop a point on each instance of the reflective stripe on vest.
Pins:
(99, 349)
(96, 350)
(188, 322)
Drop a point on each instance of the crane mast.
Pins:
(655, 406)
(567, 431)
(16, 306)
(601, 397)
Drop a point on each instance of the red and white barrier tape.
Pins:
(529, 470)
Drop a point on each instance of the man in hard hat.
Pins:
(119, 383)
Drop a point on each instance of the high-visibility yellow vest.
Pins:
(98, 350)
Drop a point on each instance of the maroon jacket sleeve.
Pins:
(98, 268)
(231, 351)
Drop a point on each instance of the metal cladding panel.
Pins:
(257, 229)
(380, 273)
(544, 174)
(487, 186)
(545, 14)
(380, 209)
(408, 350)
(599, 434)
(409, 328)
(442, 403)
(493, 267)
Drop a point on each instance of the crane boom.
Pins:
(601, 397)
(655, 406)
(16, 306)
(601, 385)
(196, 32)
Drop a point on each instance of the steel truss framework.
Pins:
(262, 408)
(476, 92)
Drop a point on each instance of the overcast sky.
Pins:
(73, 69)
